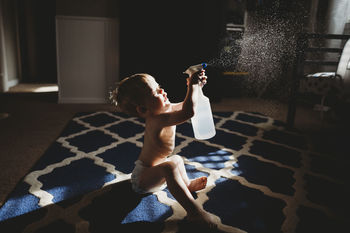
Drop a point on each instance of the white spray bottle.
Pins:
(202, 121)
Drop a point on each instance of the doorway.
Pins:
(28, 43)
(37, 41)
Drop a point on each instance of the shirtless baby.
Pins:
(140, 95)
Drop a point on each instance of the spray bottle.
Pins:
(202, 121)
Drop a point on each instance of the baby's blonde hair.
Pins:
(131, 92)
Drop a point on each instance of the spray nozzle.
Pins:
(195, 68)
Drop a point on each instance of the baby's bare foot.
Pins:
(198, 184)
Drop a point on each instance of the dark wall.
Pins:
(92, 8)
(38, 33)
(163, 38)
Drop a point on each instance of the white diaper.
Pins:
(135, 179)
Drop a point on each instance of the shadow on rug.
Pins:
(261, 178)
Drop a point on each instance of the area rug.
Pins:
(261, 178)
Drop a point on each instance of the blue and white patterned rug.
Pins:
(261, 178)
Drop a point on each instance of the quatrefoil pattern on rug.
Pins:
(261, 178)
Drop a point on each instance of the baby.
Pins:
(140, 95)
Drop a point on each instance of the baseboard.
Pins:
(12, 83)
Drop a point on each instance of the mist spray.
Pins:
(202, 121)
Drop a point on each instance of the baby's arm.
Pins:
(184, 110)
(177, 106)
(203, 81)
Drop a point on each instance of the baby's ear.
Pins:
(141, 111)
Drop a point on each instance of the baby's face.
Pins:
(157, 101)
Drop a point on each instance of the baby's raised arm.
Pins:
(177, 106)
(183, 111)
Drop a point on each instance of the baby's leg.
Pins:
(169, 171)
(192, 185)
(181, 166)
(178, 188)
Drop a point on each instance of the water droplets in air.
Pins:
(266, 51)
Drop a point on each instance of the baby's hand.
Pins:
(197, 78)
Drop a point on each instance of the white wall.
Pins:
(337, 18)
(338, 15)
